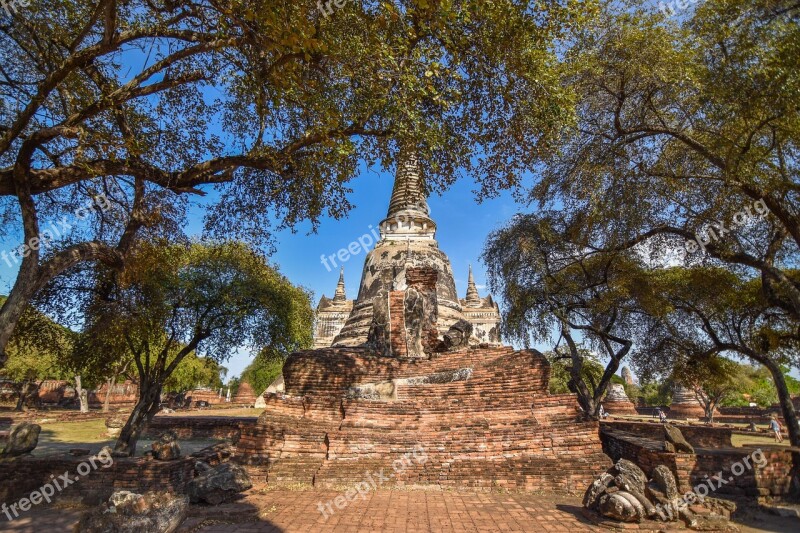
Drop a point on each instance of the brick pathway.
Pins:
(291, 511)
(391, 511)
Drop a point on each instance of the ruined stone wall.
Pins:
(212, 397)
(121, 394)
(693, 469)
(23, 475)
(198, 427)
(697, 436)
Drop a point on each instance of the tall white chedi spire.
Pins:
(408, 217)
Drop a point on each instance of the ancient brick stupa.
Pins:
(244, 395)
(685, 404)
(412, 371)
(617, 402)
(407, 241)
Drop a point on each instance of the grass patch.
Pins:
(739, 440)
(85, 431)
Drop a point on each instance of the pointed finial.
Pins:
(473, 298)
(340, 295)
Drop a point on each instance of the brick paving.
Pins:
(391, 511)
(293, 511)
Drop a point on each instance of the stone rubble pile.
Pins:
(623, 493)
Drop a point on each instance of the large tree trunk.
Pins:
(146, 408)
(709, 408)
(25, 392)
(83, 395)
(789, 416)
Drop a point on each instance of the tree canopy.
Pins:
(265, 368)
(176, 301)
(275, 104)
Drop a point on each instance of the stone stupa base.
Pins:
(680, 411)
(479, 418)
(620, 408)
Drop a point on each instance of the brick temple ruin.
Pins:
(410, 367)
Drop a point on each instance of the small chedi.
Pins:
(627, 376)
(685, 404)
(416, 370)
(616, 401)
(245, 395)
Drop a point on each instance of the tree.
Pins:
(561, 371)
(35, 354)
(120, 110)
(708, 311)
(264, 369)
(550, 284)
(759, 388)
(175, 300)
(686, 139)
(685, 146)
(194, 372)
(711, 379)
(656, 393)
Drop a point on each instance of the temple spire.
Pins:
(340, 295)
(473, 298)
(408, 194)
(408, 217)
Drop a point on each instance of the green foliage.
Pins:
(208, 299)
(759, 388)
(632, 391)
(263, 370)
(194, 372)
(656, 394)
(591, 371)
(37, 349)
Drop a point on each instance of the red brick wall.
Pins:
(121, 394)
(198, 427)
(334, 370)
(26, 474)
(203, 395)
(397, 323)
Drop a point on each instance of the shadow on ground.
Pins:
(228, 517)
(574, 510)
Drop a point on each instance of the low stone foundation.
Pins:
(682, 411)
(199, 427)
